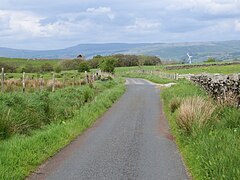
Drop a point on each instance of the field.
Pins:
(22, 62)
(228, 69)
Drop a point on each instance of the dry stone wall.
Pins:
(224, 88)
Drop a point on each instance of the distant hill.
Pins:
(169, 51)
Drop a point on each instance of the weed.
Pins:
(194, 111)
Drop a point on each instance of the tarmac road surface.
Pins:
(131, 141)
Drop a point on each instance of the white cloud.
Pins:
(102, 10)
(237, 25)
(214, 7)
(142, 24)
(62, 23)
(28, 24)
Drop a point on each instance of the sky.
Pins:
(55, 24)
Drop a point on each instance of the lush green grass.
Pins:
(23, 62)
(21, 154)
(23, 112)
(230, 69)
(210, 152)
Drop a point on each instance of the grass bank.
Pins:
(22, 153)
(210, 144)
(229, 69)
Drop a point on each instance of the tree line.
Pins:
(105, 63)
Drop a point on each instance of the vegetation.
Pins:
(83, 66)
(71, 64)
(126, 60)
(194, 112)
(210, 60)
(207, 133)
(22, 153)
(229, 69)
(108, 65)
(17, 65)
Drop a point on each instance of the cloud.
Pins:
(237, 25)
(102, 10)
(28, 24)
(142, 24)
(32, 24)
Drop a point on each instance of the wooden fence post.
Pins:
(177, 76)
(41, 83)
(53, 82)
(2, 80)
(86, 77)
(64, 80)
(74, 80)
(23, 82)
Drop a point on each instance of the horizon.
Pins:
(90, 43)
(44, 25)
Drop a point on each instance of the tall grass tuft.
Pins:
(20, 113)
(194, 111)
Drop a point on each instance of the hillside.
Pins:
(200, 51)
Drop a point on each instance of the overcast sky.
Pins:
(52, 24)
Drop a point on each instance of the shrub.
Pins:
(108, 65)
(58, 69)
(46, 67)
(209, 60)
(83, 66)
(194, 111)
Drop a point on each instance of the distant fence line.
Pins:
(175, 67)
(35, 84)
(161, 74)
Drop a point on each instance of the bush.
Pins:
(108, 65)
(194, 111)
(209, 60)
(58, 69)
(70, 64)
(47, 67)
(83, 66)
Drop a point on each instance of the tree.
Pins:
(70, 64)
(83, 66)
(58, 69)
(108, 64)
(94, 63)
(47, 67)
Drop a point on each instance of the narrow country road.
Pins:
(131, 141)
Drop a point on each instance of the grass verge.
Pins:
(22, 154)
(210, 151)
